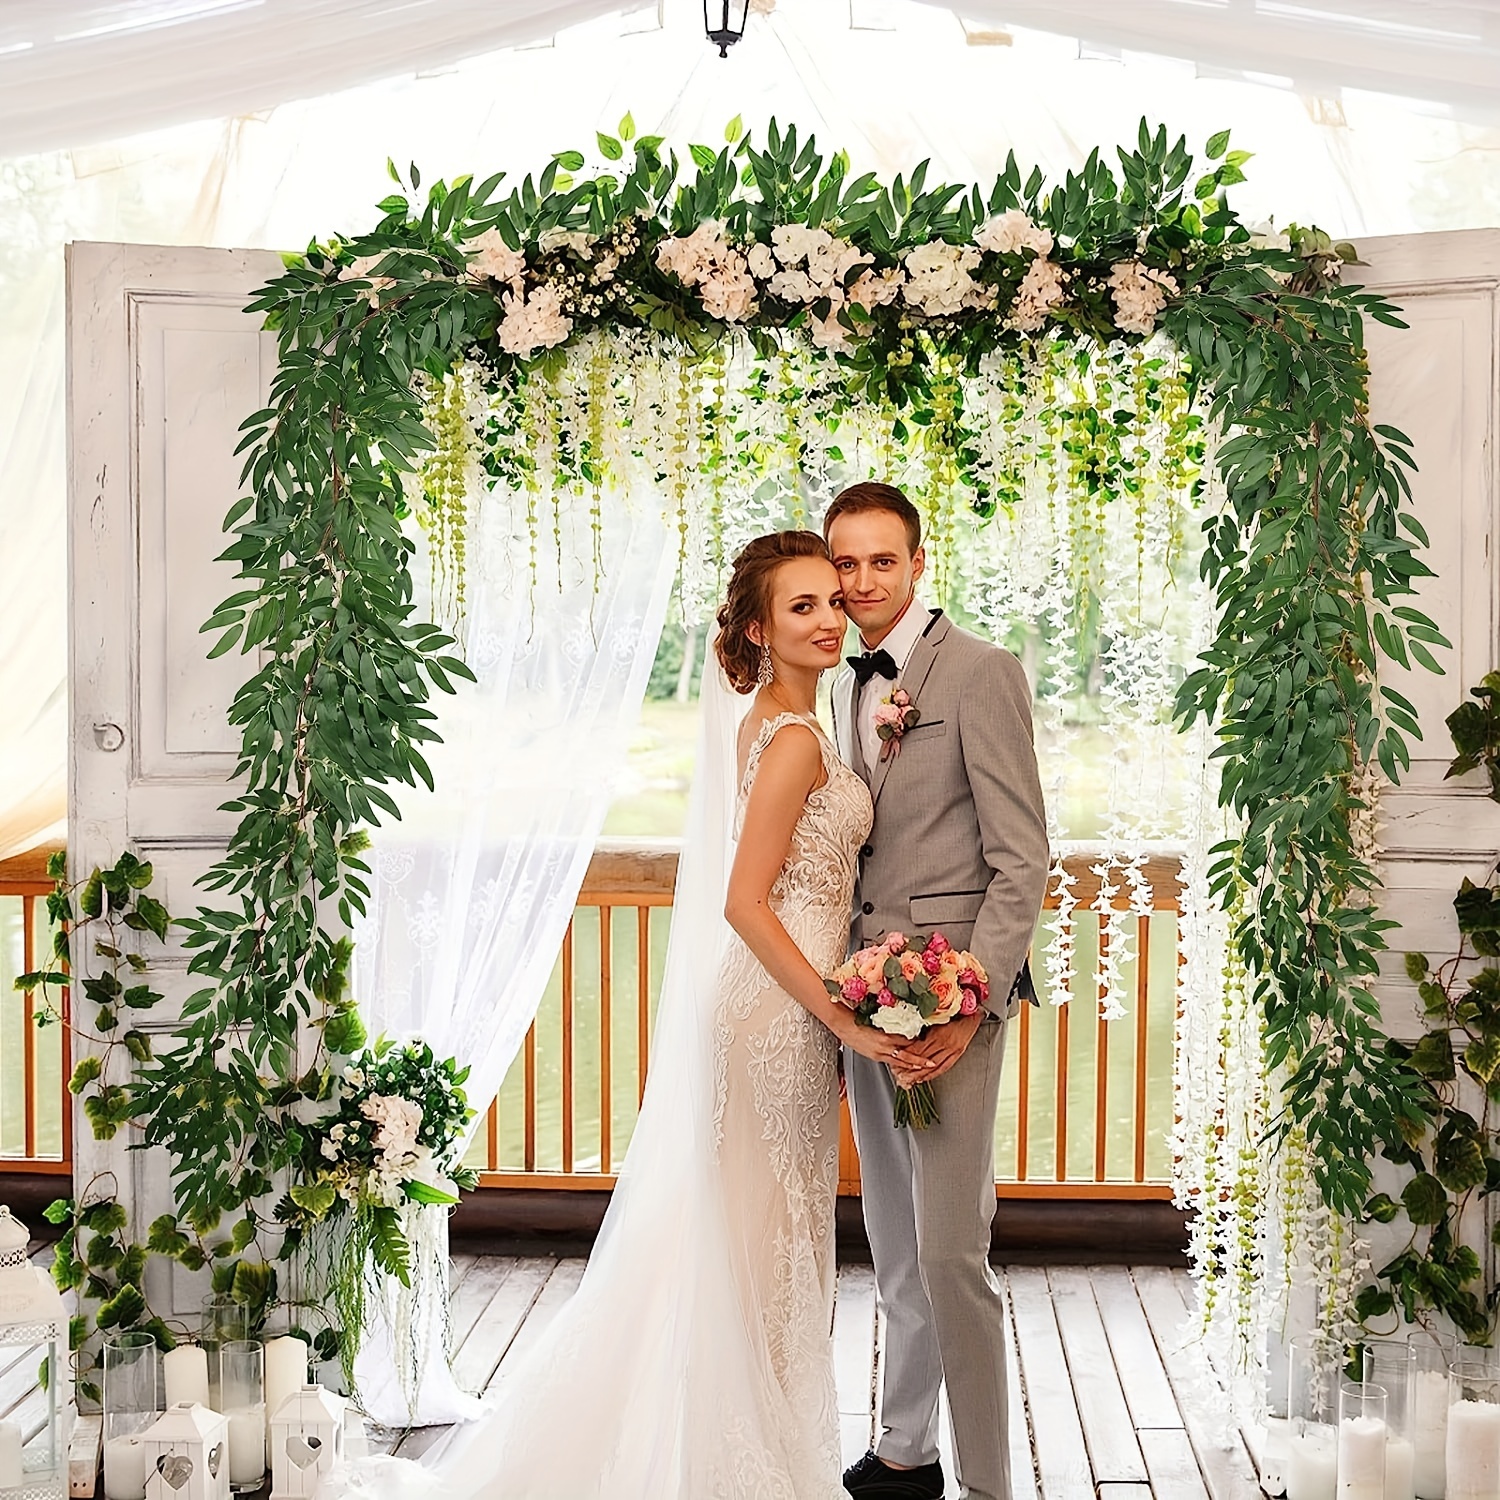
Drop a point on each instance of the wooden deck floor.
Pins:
(1109, 1401)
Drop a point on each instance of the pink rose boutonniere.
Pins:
(895, 714)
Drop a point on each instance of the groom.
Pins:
(959, 845)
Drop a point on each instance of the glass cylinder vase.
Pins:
(1312, 1413)
(131, 1401)
(1432, 1354)
(244, 1392)
(1362, 1441)
(1390, 1364)
(1473, 1447)
(223, 1321)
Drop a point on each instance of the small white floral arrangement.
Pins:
(396, 1134)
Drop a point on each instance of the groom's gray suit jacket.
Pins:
(960, 837)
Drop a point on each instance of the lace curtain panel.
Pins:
(475, 885)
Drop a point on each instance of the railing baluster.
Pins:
(1101, 1062)
(642, 998)
(567, 1050)
(492, 1135)
(28, 1083)
(1060, 1168)
(528, 1149)
(1023, 1093)
(1142, 1018)
(606, 982)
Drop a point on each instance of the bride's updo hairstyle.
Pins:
(748, 601)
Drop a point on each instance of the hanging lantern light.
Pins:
(723, 33)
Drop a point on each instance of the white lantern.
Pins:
(32, 1316)
(187, 1454)
(307, 1442)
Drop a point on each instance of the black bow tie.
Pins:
(873, 664)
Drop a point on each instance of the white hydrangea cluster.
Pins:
(814, 266)
(488, 255)
(706, 260)
(1041, 289)
(1011, 232)
(533, 321)
(1139, 292)
(938, 279)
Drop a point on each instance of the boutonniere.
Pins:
(895, 714)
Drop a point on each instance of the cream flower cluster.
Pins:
(489, 255)
(938, 279)
(1139, 292)
(1011, 232)
(1041, 289)
(706, 260)
(533, 321)
(815, 266)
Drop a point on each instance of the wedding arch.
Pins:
(1113, 375)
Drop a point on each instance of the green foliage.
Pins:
(1455, 1157)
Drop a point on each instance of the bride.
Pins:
(695, 1360)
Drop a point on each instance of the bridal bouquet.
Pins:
(903, 987)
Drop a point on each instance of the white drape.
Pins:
(476, 883)
(78, 71)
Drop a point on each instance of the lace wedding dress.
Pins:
(695, 1361)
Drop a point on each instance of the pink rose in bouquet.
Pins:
(904, 986)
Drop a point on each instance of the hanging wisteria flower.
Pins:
(1139, 292)
(489, 255)
(533, 322)
(360, 269)
(1041, 289)
(938, 280)
(1011, 232)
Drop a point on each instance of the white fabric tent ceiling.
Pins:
(79, 71)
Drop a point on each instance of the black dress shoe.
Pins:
(873, 1479)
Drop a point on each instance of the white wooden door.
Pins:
(163, 366)
(1439, 382)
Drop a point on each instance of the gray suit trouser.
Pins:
(929, 1200)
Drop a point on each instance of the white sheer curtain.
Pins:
(475, 885)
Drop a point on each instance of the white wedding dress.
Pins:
(695, 1361)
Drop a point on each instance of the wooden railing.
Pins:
(36, 1120)
(1086, 1104)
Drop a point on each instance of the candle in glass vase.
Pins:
(124, 1469)
(1429, 1433)
(1361, 1459)
(1273, 1456)
(1473, 1453)
(247, 1447)
(1312, 1462)
(1400, 1460)
(184, 1373)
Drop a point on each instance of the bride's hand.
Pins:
(871, 1042)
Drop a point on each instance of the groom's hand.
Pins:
(939, 1050)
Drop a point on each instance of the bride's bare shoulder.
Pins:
(793, 749)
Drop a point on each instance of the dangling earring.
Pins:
(767, 673)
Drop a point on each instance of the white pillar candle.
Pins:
(125, 1469)
(1362, 1459)
(185, 1374)
(12, 1474)
(286, 1374)
(1429, 1425)
(1312, 1463)
(1399, 1458)
(1473, 1456)
(247, 1445)
(1273, 1456)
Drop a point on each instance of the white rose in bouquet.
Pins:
(899, 1020)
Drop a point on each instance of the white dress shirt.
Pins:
(905, 634)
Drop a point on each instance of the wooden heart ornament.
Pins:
(215, 1458)
(175, 1468)
(304, 1451)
